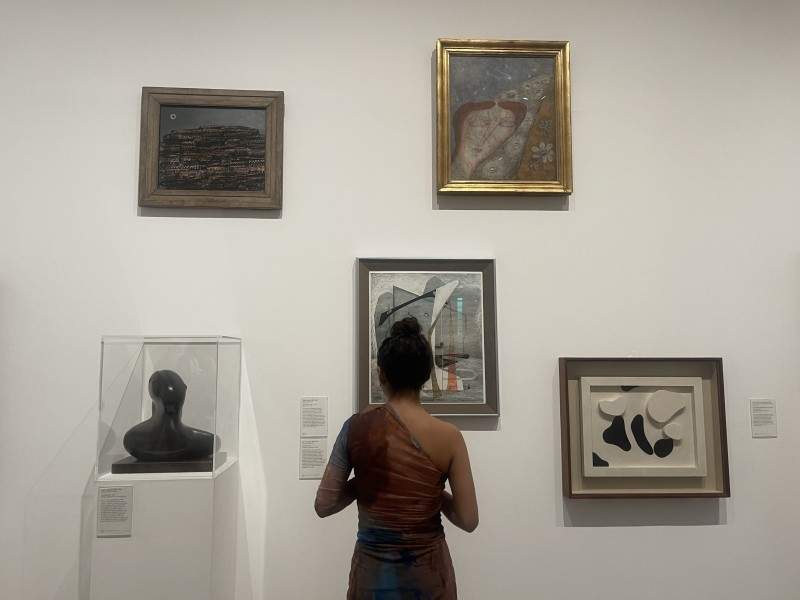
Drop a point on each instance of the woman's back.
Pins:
(401, 550)
(402, 457)
(398, 484)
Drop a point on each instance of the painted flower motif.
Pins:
(544, 152)
(545, 125)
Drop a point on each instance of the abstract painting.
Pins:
(211, 148)
(643, 427)
(503, 117)
(450, 299)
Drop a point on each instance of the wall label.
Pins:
(114, 511)
(763, 418)
(313, 457)
(314, 416)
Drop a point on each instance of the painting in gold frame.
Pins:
(503, 117)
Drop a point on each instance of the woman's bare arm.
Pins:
(461, 508)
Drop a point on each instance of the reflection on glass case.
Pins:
(168, 405)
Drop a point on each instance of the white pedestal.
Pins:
(181, 540)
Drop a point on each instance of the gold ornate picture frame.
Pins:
(503, 117)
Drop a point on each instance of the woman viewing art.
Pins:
(401, 457)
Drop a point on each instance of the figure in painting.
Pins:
(502, 111)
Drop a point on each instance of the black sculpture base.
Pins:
(130, 465)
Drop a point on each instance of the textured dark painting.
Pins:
(449, 307)
(502, 111)
(207, 148)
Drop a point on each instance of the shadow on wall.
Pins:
(480, 202)
(253, 498)
(57, 551)
(477, 202)
(644, 512)
(209, 213)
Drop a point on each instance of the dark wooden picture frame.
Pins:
(266, 196)
(576, 485)
(486, 268)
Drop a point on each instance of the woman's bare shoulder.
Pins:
(446, 430)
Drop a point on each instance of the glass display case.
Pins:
(169, 406)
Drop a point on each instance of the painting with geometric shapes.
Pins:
(450, 305)
(643, 427)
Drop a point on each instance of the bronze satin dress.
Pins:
(400, 552)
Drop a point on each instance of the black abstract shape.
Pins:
(388, 313)
(616, 436)
(446, 359)
(628, 388)
(597, 461)
(664, 447)
(637, 427)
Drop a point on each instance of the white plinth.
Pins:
(179, 541)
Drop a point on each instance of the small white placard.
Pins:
(313, 457)
(314, 416)
(114, 511)
(763, 418)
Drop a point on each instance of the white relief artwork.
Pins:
(663, 404)
(643, 427)
(674, 430)
(614, 406)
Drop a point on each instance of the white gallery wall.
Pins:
(679, 240)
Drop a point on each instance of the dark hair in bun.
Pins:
(406, 327)
(405, 357)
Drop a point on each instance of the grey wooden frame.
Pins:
(484, 266)
(149, 192)
(646, 366)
